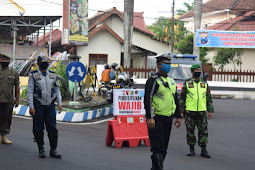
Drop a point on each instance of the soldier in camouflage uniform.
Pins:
(9, 79)
(195, 101)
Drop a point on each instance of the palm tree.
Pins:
(188, 8)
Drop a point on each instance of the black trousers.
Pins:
(6, 110)
(159, 136)
(45, 115)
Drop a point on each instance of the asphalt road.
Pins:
(231, 144)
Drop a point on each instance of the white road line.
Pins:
(69, 123)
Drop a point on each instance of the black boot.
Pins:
(38, 138)
(204, 152)
(191, 151)
(53, 138)
(42, 153)
(55, 154)
(157, 161)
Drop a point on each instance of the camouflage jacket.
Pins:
(209, 102)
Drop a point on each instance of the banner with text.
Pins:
(78, 19)
(225, 39)
(128, 102)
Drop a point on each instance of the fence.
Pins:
(236, 76)
(227, 76)
(140, 72)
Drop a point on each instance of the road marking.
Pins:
(70, 123)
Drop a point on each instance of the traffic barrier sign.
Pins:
(75, 71)
(132, 129)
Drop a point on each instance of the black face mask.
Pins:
(43, 66)
(5, 64)
(196, 74)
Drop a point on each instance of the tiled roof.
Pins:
(138, 20)
(245, 22)
(55, 35)
(217, 5)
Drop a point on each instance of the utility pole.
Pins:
(197, 24)
(128, 30)
(172, 36)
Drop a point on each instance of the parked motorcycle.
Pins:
(122, 82)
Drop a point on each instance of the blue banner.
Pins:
(225, 39)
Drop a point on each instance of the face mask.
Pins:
(166, 67)
(5, 64)
(196, 74)
(43, 66)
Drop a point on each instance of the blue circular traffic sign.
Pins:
(75, 71)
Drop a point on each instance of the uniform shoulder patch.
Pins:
(51, 76)
(191, 85)
(202, 85)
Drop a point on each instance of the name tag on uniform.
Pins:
(202, 85)
(51, 76)
(191, 85)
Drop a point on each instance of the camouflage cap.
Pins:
(194, 66)
(42, 58)
(4, 56)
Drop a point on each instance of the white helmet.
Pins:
(122, 76)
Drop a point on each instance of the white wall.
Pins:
(138, 60)
(248, 60)
(208, 20)
(139, 39)
(101, 43)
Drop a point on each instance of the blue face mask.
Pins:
(166, 67)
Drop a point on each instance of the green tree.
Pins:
(185, 46)
(162, 29)
(228, 56)
(188, 8)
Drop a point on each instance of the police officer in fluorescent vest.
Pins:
(9, 80)
(43, 90)
(161, 105)
(195, 101)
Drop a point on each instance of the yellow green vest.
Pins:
(196, 96)
(163, 100)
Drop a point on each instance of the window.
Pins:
(95, 59)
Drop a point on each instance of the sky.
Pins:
(152, 9)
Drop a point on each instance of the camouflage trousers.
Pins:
(199, 119)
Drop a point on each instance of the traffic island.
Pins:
(73, 113)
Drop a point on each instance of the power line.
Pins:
(158, 18)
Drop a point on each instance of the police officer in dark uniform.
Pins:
(43, 90)
(161, 105)
(9, 79)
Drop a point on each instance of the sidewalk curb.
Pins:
(235, 96)
(66, 116)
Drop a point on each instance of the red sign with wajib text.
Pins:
(128, 102)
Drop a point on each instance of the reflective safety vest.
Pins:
(163, 100)
(196, 96)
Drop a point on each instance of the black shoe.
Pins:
(205, 154)
(157, 161)
(55, 154)
(191, 153)
(42, 153)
